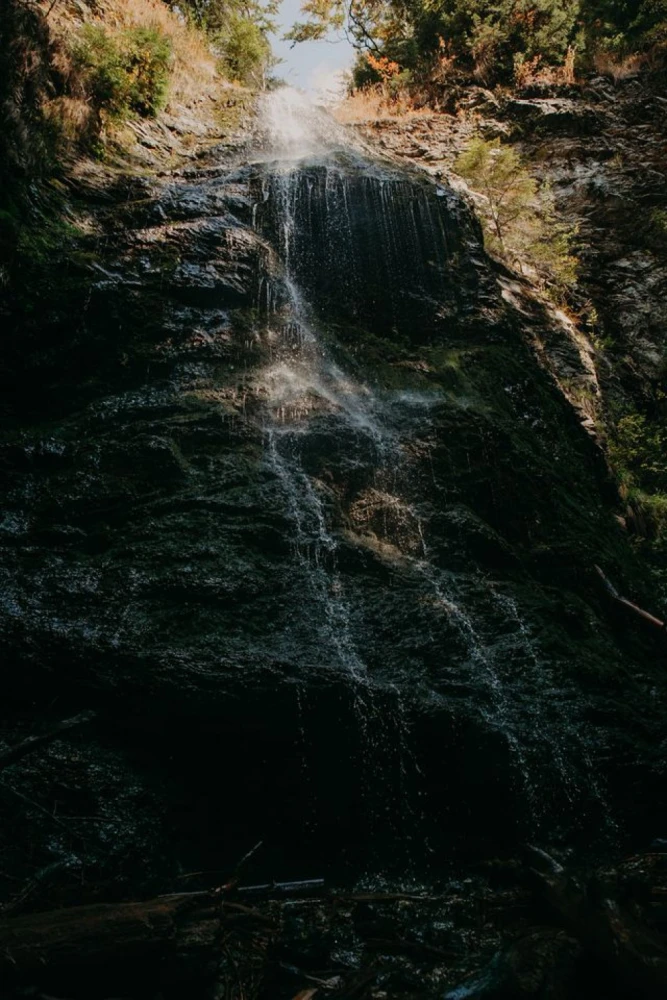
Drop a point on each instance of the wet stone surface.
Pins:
(309, 527)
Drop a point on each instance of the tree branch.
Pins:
(634, 608)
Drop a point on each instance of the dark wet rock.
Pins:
(543, 965)
(553, 116)
(473, 538)
(354, 585)
(413, 274)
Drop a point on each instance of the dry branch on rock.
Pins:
(32, 743)
(623, 602)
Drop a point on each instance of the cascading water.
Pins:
(345, 225)
(301, 385)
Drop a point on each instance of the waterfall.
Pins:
(303, 383)
(304, 387)
(345, 224)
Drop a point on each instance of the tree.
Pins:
(244, 49)
(475, 31)
(496, 172)
(485, 36)
(625, 25)
(519, 217)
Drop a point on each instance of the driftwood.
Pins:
(634, 609)
(634, 955)
(278, 889)
(15, 753)
(107, 933)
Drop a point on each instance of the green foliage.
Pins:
(239, 31)
(624, 26)
(526, 28)
(321, 16)
(245, 53)
(496, 172)
(519, 217)
(485, 34)
(654, 507)
(657, 226)
(652, 22)
(363, 74)
(124, 74)
(487, 37)
(213, 16)
(639, 451)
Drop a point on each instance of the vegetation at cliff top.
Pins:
(70, 75)
(487, 38)
(239, 32)
(127, 73)
(125, 65)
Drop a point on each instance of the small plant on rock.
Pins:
(519, 216)
(496, 172)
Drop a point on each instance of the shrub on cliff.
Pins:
(508, 190)
(124, 74)
(245, 53)
(624, 26)
(638, 455)
(239, 31)
(519, 216)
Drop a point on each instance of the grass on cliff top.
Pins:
(376, 103)
(125, 59)
(193, 68)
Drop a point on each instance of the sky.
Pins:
(315, 67)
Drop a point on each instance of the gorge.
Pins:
(292, 505)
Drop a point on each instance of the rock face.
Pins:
(600, 145)
(310, 528)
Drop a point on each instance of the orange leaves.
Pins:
(382, 65)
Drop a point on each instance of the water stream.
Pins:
(320, 194)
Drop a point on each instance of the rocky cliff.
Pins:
(294, 505)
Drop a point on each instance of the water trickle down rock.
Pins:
(373, 248)
(330, 532)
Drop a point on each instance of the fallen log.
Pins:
(631, 951)
(95, 934)
(112, 934)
